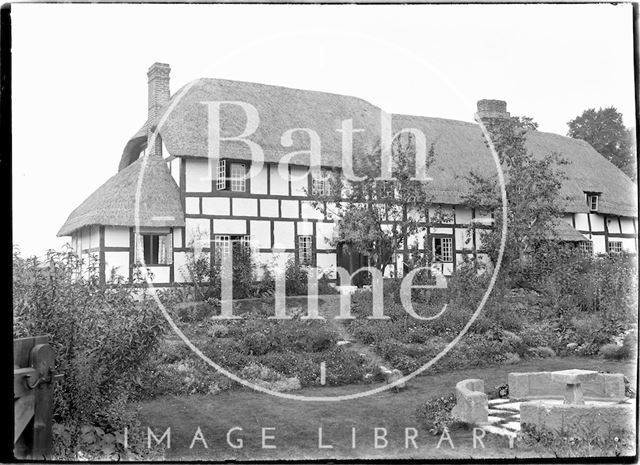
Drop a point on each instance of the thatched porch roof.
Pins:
(113, 203)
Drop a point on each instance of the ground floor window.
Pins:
(154, 249)
(615, 247)
(224, 243)
(586, 248)
(443, 249)
(305, 250)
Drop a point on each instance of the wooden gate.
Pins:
(33, 365)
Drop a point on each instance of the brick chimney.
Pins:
(492, 109)
(158, 96)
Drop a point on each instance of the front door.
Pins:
(351, 261)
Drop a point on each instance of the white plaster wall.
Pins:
(299, 180)
(221, 226)
(160, 274)
(259, 181)
(180, 273)
(85, 238)
(95, 236)
(289, 208)
(192, 205)
(245, 207)
(582, 221)
(627, 225)
(279, 185)
(116, 236)
(442, 231)
(175, 170)
(327, 264)
(447, 269)
(117, 260)
(216, 205)
(613, 226)
(198, 178)
(269, 208)
(305, 228)
(324, 233)
(463, 215)
(177, 237)
(463, 239)
(599, 244)
(597, 222)
(261, 234)
(331, 211)
(628, 244)
(308, 211)
(197, 229)
(283, 234)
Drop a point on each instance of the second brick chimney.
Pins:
(492, 109)
(158, 96)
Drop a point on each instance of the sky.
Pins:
(80, 87)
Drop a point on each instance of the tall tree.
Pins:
(605, 131)
(533, 191)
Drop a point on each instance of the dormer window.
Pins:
(593, 201)
(231, 176)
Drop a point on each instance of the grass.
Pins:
(296, 423)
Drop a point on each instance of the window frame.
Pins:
(221, 176)
(305, 250)
(586, 248)
(320, 182)
(234, 178)
(440, 258)
(227, 241)
(161, 257)
(618, 245)
(593, 202)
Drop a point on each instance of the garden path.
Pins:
(329, 309)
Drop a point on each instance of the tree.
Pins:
(377, 217)
(605, 131)
(533, 191)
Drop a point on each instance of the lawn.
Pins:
(296, 423)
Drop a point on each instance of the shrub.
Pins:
(435, 414)
(102, 336)
(614, 352)
(296, 278)
(542, 352)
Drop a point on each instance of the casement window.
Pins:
(593, 201)
(305, 250)
(586, 248)
(221, 179)
(231, 176)
(615, 247)
(223, 244)
(154, 249)
(238, 174)
(443, 249)
(321, 182)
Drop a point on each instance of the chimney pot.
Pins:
(492, 109)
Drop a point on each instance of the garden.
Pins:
(123, 365)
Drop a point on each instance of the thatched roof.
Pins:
(459, 145)
(113, 203)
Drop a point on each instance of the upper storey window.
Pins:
(321, 182)
(231, 176)
(593, 201)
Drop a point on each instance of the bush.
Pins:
(614, 352)
(103, 338)
(435, 414)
